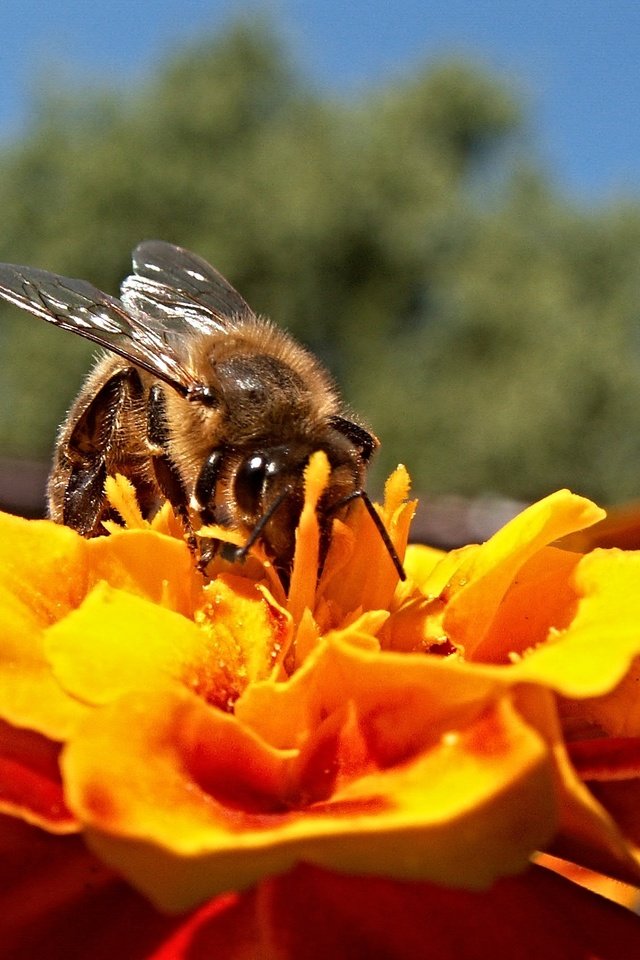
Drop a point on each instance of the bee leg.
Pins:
(83, 498)
(203, 497)
(166, 474)
(205, 488)
(208, 549)
(366, 443)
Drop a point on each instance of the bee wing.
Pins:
(80, 307)
(177, 287)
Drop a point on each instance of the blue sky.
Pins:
(576, 62)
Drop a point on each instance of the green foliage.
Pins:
(485, 326)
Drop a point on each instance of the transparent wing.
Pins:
(176, 287)
(80, 307)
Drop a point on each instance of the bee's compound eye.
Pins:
(249, 485)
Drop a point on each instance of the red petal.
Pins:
(30, 784)
(316, 915)
(606, 758)
(58, 902)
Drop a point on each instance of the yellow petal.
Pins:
(420, 561)
(115, 642)
(190, 803)
(480, 583)
(42, 577)
(43, 565)
(305, 564)
(591, 654)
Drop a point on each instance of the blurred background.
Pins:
(441, 200)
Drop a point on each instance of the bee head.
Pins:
(261, 491)
(268, 492)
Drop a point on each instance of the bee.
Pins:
(198, 401)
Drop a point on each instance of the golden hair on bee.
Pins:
(198, 401)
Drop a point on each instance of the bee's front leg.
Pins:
(167, 476)
(203, 500)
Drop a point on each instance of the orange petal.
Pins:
(122, 560)
(176, 794)
(414, 624)
(594, 651)
(369, 579)
(187, 801)
(481, 581)
(435, 695)
(397, 510)
(116, 641)
(305, 564)
(587, 835)
(541, 599)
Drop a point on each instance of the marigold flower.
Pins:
(266, 760)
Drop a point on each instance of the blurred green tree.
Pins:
(486, 327)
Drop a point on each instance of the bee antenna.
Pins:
(378, 524)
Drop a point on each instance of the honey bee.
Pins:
(199, 401)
